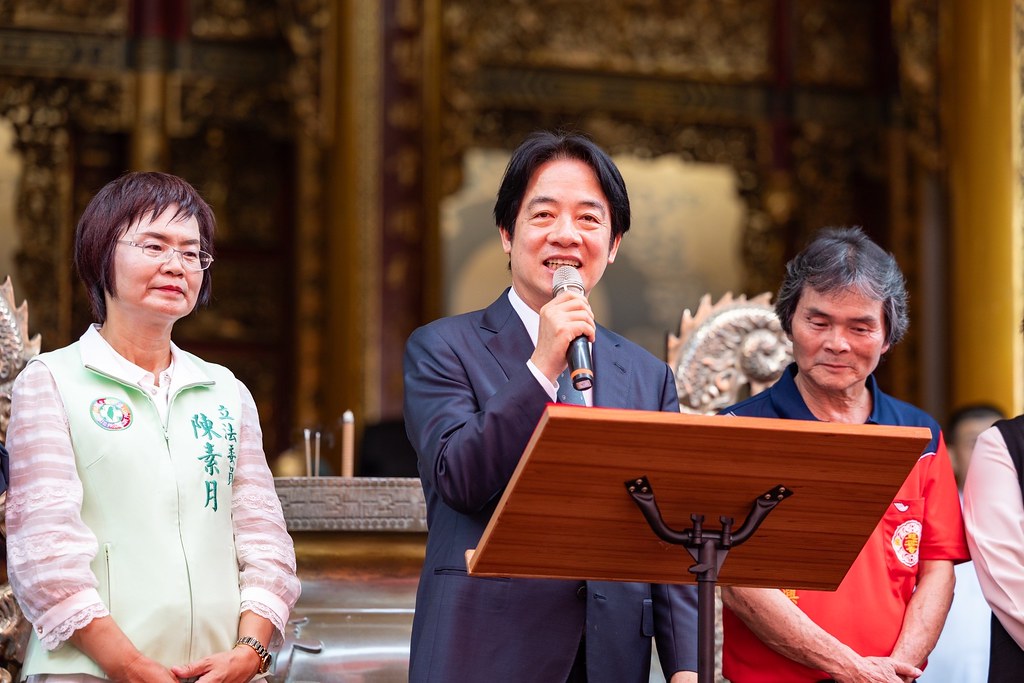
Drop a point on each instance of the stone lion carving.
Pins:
(16, 349)
(727, 352)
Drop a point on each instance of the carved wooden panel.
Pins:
(215, 91)
(798, 97)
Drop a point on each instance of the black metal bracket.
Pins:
(725, 538)
(708, 547)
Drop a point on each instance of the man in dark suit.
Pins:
(475, 387)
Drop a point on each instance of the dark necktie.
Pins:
(567, 393)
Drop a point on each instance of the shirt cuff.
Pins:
(545, 383)
(58, 616)
(271, 601)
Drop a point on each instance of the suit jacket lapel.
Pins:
(509, 343)
(505, 336)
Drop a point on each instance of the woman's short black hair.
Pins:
(122, 203)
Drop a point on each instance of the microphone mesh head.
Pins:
(566, 277)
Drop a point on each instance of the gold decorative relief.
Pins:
(234, 19)
(915, 25)
(727, 352)
(52, 54)
(39, 113)
(198, 102)
(306, 26)
(94, 16)
(833, 166)
(719, 40)
(833, 43)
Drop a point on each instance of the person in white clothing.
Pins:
(994, 517)
(146, 542)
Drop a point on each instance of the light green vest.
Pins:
(159, 502)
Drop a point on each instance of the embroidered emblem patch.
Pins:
(906, 541)
(111, 414)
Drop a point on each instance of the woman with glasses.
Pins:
(145, 538)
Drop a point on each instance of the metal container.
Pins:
(359, 546)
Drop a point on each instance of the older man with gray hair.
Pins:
(844, 304)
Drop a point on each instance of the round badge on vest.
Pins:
(111, 414)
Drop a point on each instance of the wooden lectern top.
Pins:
(566, 512)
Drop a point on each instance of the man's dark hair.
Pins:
(971, 411)
(543, 146)
(122, 203)
(846, 258)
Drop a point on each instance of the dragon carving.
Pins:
(727, 352)
(16, 349)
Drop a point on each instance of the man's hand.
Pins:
(781, 626)
(878, 670)
(562, 319)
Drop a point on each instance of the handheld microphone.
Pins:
(581, 366)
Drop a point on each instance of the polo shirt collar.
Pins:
(788, 402)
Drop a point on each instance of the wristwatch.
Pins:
(260, 650)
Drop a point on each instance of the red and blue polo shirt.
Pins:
(866, 611)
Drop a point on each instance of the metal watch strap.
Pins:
(256, 645)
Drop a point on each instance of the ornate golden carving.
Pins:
(726, 352)
(711, 40)
(40, 111)
(95, 16)
(831, 163)
(234, 20)
(833, 43)
(639, 85)
(51, 55)
(199, 103)
(306, 26)
(915, 25)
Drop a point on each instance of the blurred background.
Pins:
(351, 151)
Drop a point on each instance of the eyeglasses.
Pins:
(191, 259)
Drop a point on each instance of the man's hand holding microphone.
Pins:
(566, 330)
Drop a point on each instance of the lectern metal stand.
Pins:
(709, 548)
